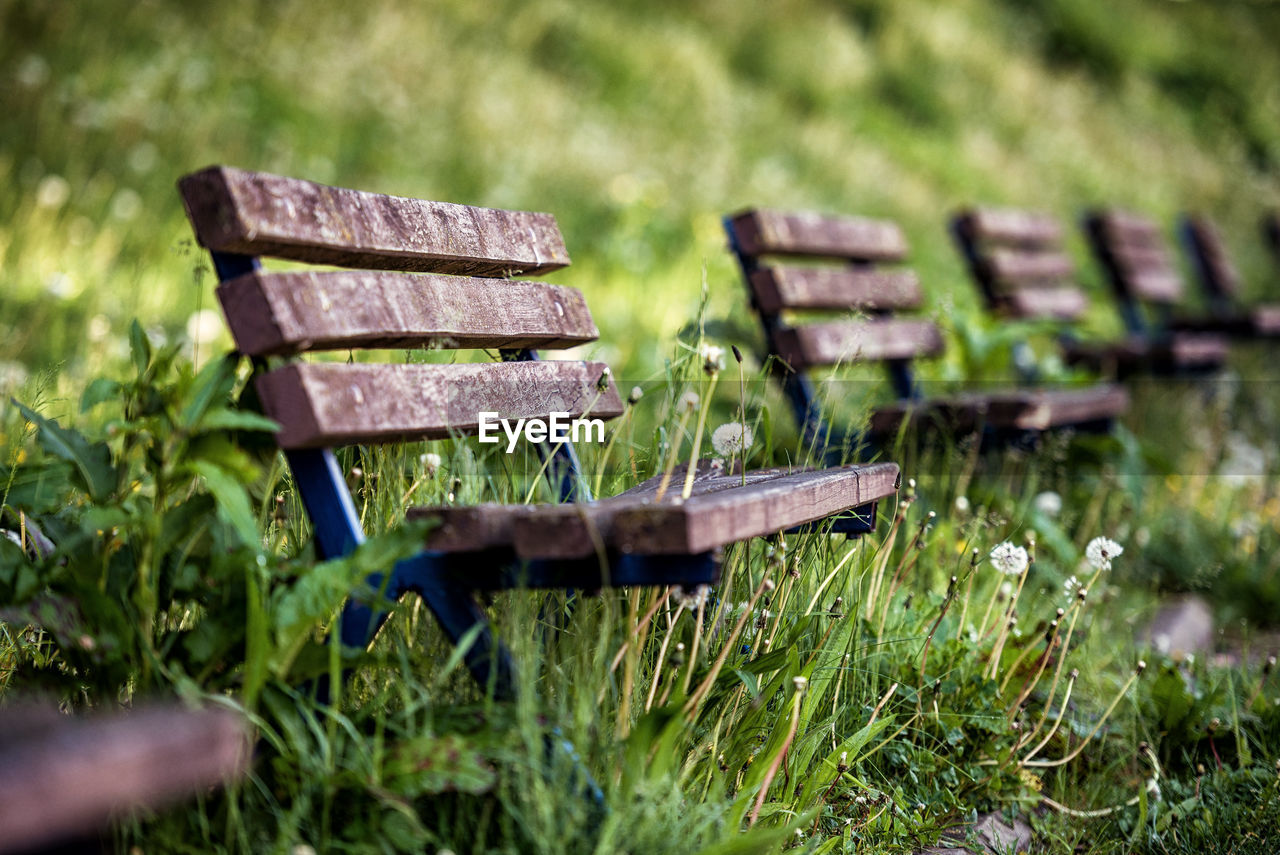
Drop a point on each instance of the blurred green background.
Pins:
(637, 123)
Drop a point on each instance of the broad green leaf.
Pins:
(227, 419)
(139, 346)
(232, 500)
(213, 382)
(92, 461)
(101, 389)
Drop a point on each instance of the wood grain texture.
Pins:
(724, 507)
(1011, 227)
(714, 519)
(835, 342)
(254, 213)
(1219, 274)
(765, 232)
(1017, 266)
(331, 404)
(288, 313)
(1047, 409)
(1065, 303)
(1135, 255)
(62, 777)
(778, 288)
(1177, 353)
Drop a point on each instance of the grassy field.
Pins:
(640, 125)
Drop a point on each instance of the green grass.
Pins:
(639, 125)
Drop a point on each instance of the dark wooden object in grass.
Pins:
(63, 778)
(1220, 282)
(451, 287)
(843, 270)
(1019, 263)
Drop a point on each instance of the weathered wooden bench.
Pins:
(430, 274)
(63, 778)
(853, 265)
(1144, 276)
(1220, 283)
(1017, 260)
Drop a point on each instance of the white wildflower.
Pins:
(1009, 559)
(689, 402)
(1100, 551)
(1048, 503)
(430, 462)
(801, 683)
(712, 358)
(1006, 590)
(636, 394)
(1070, 587)
(731, 439)
(962, 504)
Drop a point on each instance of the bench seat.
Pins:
(723, 508)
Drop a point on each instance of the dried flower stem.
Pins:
(1097, 727)
(697, 437)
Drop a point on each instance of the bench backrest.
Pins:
(850, 275)
(1138, 261)
(1017, 259)
(1218, 274)
(426, 274)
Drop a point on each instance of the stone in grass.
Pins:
(991, 834)
(1180, 627)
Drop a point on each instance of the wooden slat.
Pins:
(1193, 350)
(1056, 408)
(778, 288)
(1009, 226)
(331, 404)
(1013, 266)
(1221, 277)
(253, 213)
(764, 232)
(635, 522)
(1154, 285)
(1265, 320)
(287, 313)
(1126, 229)
(857, 341)
(1065, 303)
(714, 519)
(64, 777)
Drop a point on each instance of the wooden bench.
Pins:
(1017, 260)
(435, 274)
(1144, 276)
(853, 266)
(64, 778)
(1220, 281)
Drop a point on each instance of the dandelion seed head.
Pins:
(1100, 551)
(1009, 559)
(689, 402)
(1048, 503)
(730, 439)
(712, 358)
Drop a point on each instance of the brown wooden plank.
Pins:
(778, 288)
(254, 213)
(857, 341)
(1193, 350)
(702, 523)
(1055, 408)
(63, 777)
(1265, 319)
(1126, 229)
(1154, 285)
(1010, 226)
(331, 404)
(765, 232)
(1065, 303)
(1221, 278)
(1018, 266)
(287, 313)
